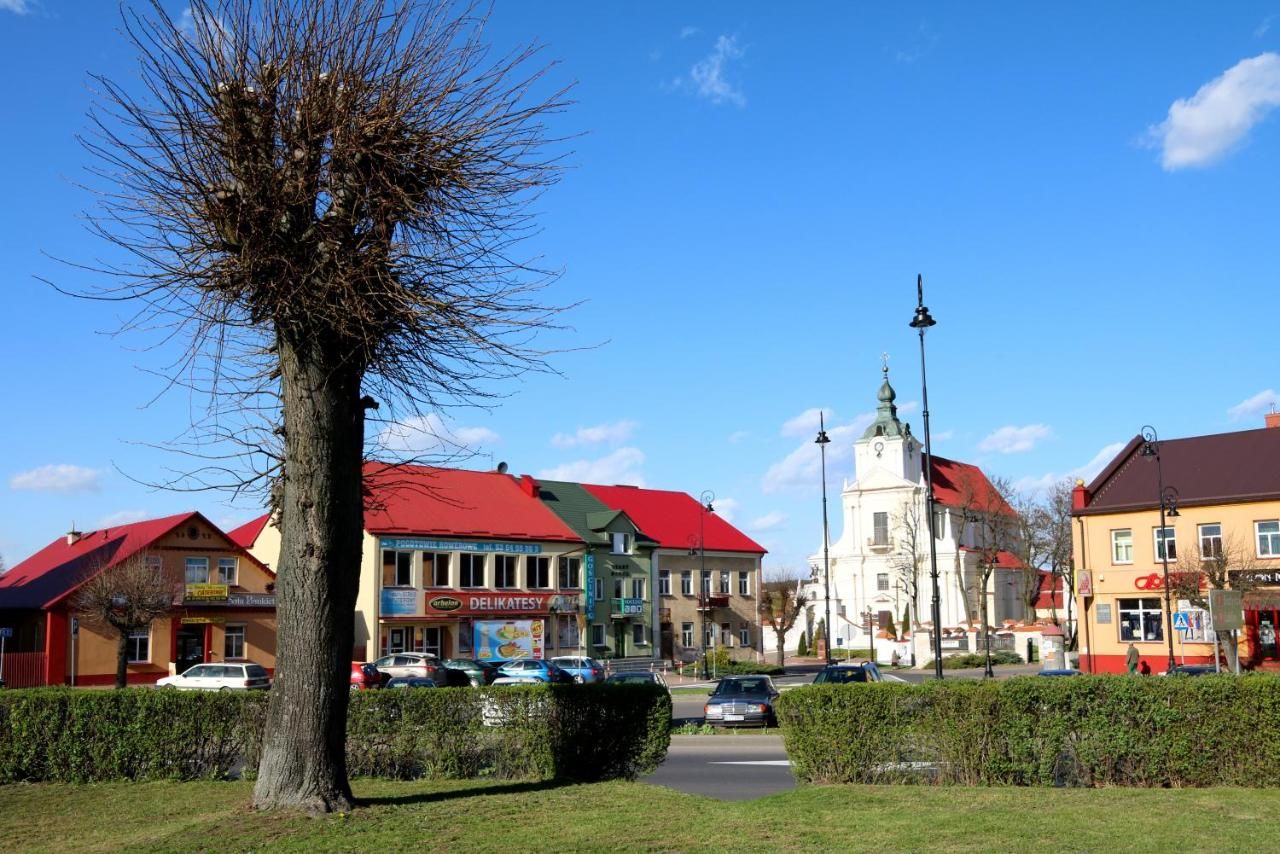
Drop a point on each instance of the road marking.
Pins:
(755, 762)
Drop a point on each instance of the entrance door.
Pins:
(396, 641)
(620, 639)
(190, 651)
(668, 641)
(1268, 625)
(431, 641)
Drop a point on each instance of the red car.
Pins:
(365, 676)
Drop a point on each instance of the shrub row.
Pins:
(1074, 731)
(572, 732)
(971, 660)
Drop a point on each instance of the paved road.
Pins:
(726, 767)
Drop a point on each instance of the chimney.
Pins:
(1273, 420)
(529, 485)
(1079, 496)
(73, 536)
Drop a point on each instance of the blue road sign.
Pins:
(1181, 621)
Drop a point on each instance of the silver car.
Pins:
(219, 677)
(420, 664)
(741, 701)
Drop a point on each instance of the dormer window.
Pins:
(623, 543)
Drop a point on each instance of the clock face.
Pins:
(879, 447)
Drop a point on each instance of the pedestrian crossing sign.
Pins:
(1182, 621)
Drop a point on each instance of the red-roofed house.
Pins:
(708, 572)
(452, 558)
(223, 605)
(879, 561)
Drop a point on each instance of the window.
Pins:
(1210, 541)
(744, 584)
(1268, 538)
(233, 643)
(726, 635)
(724, 582)
(744, 634)
(623, 543)
(880, 529)
(686, 634)
(1122, 546)
(639, 634)
(686, 583)
(1166, 539)
(567, 631)
(637, 588)
(882, 581)
(227, 570)
(153, 562)
(599, 589)
(197, 570)
(570, 571)
(538, 569)
(504, 571)
(706, 582)
(435, 569)
(140, 646)
(708, 634)
(1141, 619)
(397, 569)
(597, 634)
(664, 582)
(470, 570)
(619, 588)
(465, 630)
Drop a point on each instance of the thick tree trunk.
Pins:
(303, 762)
(122, 659)
(782, 640)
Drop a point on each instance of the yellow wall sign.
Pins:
(207, 592)
(200, 621)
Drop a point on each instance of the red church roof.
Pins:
(59, 568)
(957, 484)
(672, 518)
(1004, 559)
(1051, 589)
(411, 499)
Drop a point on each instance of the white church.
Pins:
(879, 560)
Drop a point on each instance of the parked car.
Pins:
(410, 682)
(245, 676)
(741, 701)
(640, 677)
(842, 674)
(478, 673)
(581, 667)
(419, 664)
(541, 671)
(497, 710)
(364, 676)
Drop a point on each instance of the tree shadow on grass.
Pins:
(437, 797)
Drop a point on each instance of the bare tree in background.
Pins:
(781, 604)
(1227, 564)
(127, 597)
(909, 556)
(1055, 534)
(1030, 545)
(321, 201)
(996, 528)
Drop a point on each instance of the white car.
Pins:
(219, 677)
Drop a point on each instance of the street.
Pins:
(726, 767)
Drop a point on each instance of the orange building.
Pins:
(223, 605)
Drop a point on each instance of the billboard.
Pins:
(503, 640)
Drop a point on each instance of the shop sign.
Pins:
(398, 602)
(444, 603)
(207, 592)
(1228, 609)
(1084, 582)
(496, 603)
(503, 640)
(200, 621)
(628, 607)
(252, 600)
(1155, 581)
(422, 545)
(590, 563)
(1254, 577)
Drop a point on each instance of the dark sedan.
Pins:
(741, 701)
(476, 673)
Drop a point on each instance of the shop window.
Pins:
(464, 637)
(686, 583)
(1166, 542)
(197, 570)
(686, 635)
(228, 571)
(397, 568)
(1122, 546)
(140, 645)
(567, 636)
(1210, 541)
(744, 634)
(435, 568)
(664, 582)
(538, 570)
(744, 584)
(470, 570)
(233, 642)
(1268, 538)
(570, 571)
(1140, 619)
(639, 634)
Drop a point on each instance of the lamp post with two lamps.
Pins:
(922, 321)
(704, 587)
(1168, 508)
(822, 441)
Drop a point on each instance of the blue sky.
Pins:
(1089, 190)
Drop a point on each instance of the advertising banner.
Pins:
(591, 582)
(206, 592)
(503, 640)
(425, 545)
(481, 604)
(398, 602)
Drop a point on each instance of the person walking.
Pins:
(1131, 659)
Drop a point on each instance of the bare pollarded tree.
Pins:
(781, 603)
(126, 597)
(323, 197)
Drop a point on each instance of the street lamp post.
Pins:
(1168, 507)
(986, 618)
(922, 321)
(704, 589)
(822, 441)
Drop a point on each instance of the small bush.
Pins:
(749, 668)
(971, 660)
(802, 649)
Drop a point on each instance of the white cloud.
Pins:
(18, 7)
(944, 436)
(806, 423)
(1014, 440)
(1202, 129)
(708, 74)
(803, 466)
(688, 32)
(767, 522)
(57, 478)
(614, 433)
(1030, 485)
(620, 467)
(909, 407)
(1264, 26)
(427, 434)
(738, 435)
(726, 508)
(122, 517)
(1263, 401)
(1086, 472)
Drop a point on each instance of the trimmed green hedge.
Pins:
(1069, 731)
(570, 732)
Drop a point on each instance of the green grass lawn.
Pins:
(511, 817)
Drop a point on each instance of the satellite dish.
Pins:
(502, 468)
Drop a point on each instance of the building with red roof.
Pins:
(223, 605)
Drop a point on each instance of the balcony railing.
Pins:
(710, 601)
(880, 543)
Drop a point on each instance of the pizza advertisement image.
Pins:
(505, 640)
